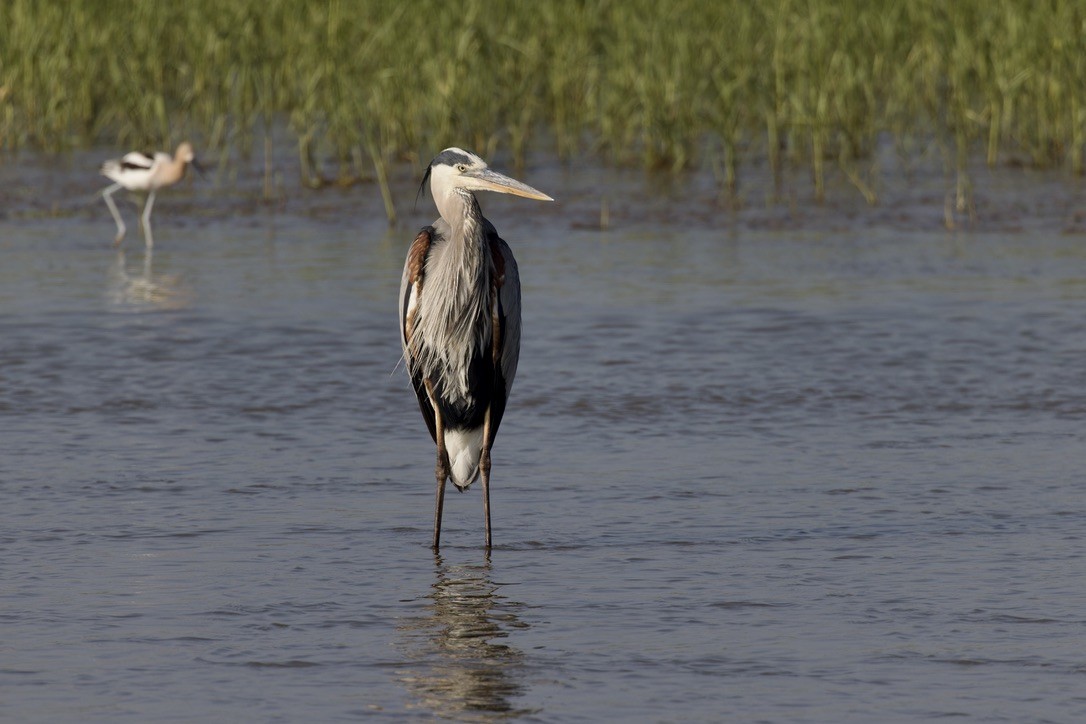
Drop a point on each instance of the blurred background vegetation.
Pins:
(668, 85)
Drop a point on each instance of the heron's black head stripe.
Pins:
(449, 158)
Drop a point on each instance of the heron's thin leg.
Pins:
(441, 473)
(108, 196)
(147, 219)
(441, 470)
(484, 467)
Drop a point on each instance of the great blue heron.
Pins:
(460, 321)
(139, 172)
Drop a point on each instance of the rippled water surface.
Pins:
(745, 475)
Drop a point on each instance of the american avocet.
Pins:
(140, 172)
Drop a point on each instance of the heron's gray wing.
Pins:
(506, 280)
(411, 290)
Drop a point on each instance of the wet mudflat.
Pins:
(803, 465)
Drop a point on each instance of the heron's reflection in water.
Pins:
(141, 288)
(457, 666)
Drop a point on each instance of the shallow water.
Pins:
(745, 475)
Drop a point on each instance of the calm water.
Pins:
(748, 476)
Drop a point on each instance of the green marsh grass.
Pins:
(684, 84)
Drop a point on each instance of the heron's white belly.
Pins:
(464, 448)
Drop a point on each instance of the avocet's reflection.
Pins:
(139, 287)
(457, 663)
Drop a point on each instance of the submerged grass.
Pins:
(667, 85)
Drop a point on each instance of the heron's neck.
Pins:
(464, 271)
(461, 210)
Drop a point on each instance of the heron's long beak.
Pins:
(198, 168)
(487, 180)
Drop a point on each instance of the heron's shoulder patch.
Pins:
(416, 255)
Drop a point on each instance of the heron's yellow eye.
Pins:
(461, 167)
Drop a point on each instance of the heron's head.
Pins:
(455, 169)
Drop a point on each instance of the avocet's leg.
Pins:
(150, 240)
(107, 194)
